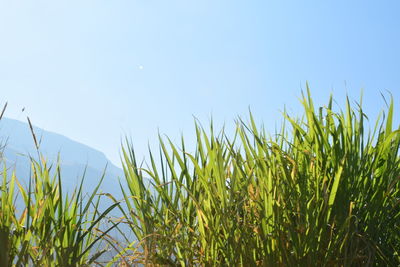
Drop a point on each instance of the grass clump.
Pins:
(324, 191)
(49, 227)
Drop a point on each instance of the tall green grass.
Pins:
(324, 191)
(48, 227)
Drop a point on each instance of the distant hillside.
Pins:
(74, 156)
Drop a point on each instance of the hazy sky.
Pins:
(97, 70)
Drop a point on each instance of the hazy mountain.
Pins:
(74, 157)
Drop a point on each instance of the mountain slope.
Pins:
(75, 158)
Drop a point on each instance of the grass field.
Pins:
(323, 191)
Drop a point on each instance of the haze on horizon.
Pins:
(96, 71)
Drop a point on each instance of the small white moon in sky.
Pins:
(141, 67)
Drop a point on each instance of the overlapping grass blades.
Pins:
(54, 228)
(323, 192)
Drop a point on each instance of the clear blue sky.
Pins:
(97, 70)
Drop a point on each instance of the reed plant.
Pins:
(40, 225)
(323, 191)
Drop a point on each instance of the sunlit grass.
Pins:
(323, 191)
(51, 228)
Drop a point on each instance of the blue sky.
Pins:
(98, 70)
